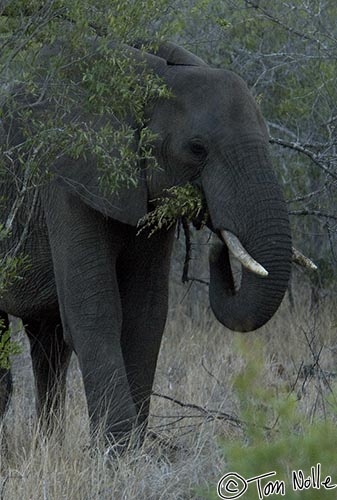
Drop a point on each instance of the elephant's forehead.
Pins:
(212, 91)
(211, 103)
(207, 83)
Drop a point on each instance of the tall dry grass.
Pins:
(196, 369)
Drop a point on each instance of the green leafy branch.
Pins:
(178, 202)
(7, 348)
(11, 268)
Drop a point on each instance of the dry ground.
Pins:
(197, 365)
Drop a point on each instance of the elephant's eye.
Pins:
(198, 149)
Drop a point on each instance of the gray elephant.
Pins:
(97, 288)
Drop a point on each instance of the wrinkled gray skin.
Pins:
(98, 289)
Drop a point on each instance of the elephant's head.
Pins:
(211, 132)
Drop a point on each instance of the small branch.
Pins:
(291, 30)
(308, 196)
(23, 236)
(309, 371)
(317, 213)
(283, 129)
(297, 147)
(2, 496)
(187, 249)
(209, 414)
(18, 200)
(23, 190)
(210, 373)
(43, 17)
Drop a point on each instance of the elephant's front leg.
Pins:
(84, 249)
(143, 273)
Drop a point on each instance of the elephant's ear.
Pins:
(174, 54)
(81, 177)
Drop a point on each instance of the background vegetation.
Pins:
(205, 405)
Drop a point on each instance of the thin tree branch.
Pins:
(213, 414)
(297, 147)
(317, 213)
(308, 196)
(291, 30)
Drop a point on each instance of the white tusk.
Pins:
(302, 260)
(234, 246)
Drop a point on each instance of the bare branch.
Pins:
(317, 213)
(298, 147)
(308, 196)
(290, 29)
(209, 414)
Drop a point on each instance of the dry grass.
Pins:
(198, 363)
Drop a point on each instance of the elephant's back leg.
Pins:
(50, 360)
(5, 374)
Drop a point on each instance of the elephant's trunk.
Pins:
(244, 198)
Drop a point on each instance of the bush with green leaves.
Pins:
(44, 93)
(277, 437)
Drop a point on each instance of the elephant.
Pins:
(97, 287)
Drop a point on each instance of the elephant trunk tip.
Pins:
(250, 305)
